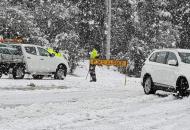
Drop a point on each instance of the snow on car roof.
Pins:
(25, 45)
(183, 50)
(10, 48)
(173, 49)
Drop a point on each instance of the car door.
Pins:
(160, 64)
(151, 66)
(46, 62)
(170, 70)
(31, 59)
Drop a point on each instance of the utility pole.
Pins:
(108, 4)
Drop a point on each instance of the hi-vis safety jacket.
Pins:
(94, 54)
(51, 51)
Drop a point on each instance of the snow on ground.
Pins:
(77, 104)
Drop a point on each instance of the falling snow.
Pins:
(75, 26)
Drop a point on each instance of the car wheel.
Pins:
(18, 72)
(37, 76)
(60, 72)
(148, 86)
(182, 87)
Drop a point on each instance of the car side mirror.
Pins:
(172, 62)
(51, 55)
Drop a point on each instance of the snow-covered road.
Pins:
(77, 104)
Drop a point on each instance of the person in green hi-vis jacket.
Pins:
(54, 51)
(94, 54)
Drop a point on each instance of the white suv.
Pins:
(167, 69)
(38, 62)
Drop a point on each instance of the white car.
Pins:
(166, 69)
(38, 62)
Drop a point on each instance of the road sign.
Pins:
(119, 63)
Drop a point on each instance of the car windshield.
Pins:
(185, 57)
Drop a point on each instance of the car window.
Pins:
(161, 57)
(153, 57)
(1, 50)
(13, 51)
(18, 49)
(43, 52)
(31, 50)
(171, 56)
(185, 57)
(4, 51)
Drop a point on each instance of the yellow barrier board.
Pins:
(119, 63)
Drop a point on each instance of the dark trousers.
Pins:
(92, 72)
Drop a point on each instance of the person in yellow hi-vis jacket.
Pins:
(55, 51)
(94, 54)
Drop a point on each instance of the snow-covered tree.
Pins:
(122, 27)
(180, 12)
